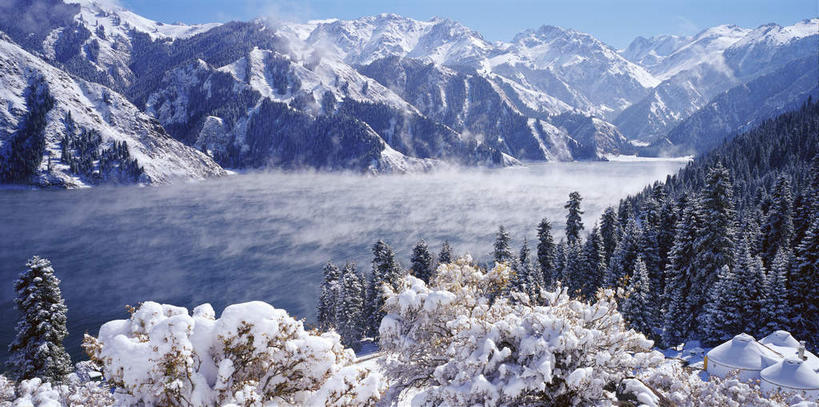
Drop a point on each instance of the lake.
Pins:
(266, 236)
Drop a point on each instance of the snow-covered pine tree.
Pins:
(595, 270)
(503, 252)
(750, 274)
(385, 270)
(445, 256)
(715, 241)
(610, 231)
(802, 212)
(679, 320)
(624, 212)
(546, 253)
(720, 321)
(421, 260)
(328, 297)
(649, 247)
(37, 350)
(560, 260)
(666, 231)
(574, 221)
(803, 293)
(350, 308)
(778, 228)
(637, 307)
(574, 272)
(806, 205)
(775, 310)
(525, 279)
(626, 253)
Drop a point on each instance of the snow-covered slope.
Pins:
(91, 107)
(419, 89)
(650, 52)
(601, 81)
(712, 62)
(745, 106)
(563, 66)
(367, 39)
(94, 40)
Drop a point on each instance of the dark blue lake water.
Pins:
(266, 236)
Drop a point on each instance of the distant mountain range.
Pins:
(377, 94)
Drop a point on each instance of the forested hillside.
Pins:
(728, 245)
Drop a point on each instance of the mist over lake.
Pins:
(266, 236)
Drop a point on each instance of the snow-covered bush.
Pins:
(671, 384)
(253, 355)
(470, 346)
(71, 392)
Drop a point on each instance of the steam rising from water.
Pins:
(266, 236)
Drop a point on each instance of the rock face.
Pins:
(58, 130)
(380, 94)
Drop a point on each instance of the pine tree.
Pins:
(385, 270)
(624, 212)
(525, 278)
(574, 222)
(626, 253)
(350, 309)
(803, 292)
(720, 321)
(802, 212)
(649, 247)
(679, 320)
(421, 262)
(778, 228)
(503, 253)
(37, 350)
(637, 306)
(595, 269)
(574, 277)
(546, 253)
(666, 231)
(328, 297)
(775, 309)
(561, 251)
(445, 256)
(715, 242)
(750, 294)
(610, 231)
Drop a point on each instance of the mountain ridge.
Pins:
(420, 94)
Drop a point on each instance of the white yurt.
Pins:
(743, 354)
(790, 375)
(782, 343)
(780, 338)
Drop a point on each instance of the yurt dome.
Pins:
(780, 338)
(790, 375)
(741, 353)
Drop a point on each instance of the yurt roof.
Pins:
(780, 338)
(742, 352)
(791, 373)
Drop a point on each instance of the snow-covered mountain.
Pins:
(706, 65)
(575, 67)
(58, 130)
(364, 40)
(390, 93)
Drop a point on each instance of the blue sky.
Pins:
(616, 22)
